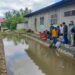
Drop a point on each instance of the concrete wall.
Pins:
(22, 26)
(47, 17)
(67, 19)
(32, 19)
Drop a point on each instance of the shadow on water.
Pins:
(46, 59)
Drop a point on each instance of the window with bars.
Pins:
(41, 20)
(73, 12)
(69, 13)
(54, 19)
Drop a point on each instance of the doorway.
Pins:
(35, 23)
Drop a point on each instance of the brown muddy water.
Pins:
(36, 60)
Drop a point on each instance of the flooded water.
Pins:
(37, 60)
(17, 60)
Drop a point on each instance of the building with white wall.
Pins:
(22, 26)
(63, 11)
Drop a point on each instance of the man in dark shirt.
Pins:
(65, 33)
(73, 32)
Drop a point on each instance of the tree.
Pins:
(15, 17)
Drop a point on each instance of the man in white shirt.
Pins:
(70, 33)
(61, 31)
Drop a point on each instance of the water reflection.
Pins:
(49, 62)
(21, 61)
(17, 60)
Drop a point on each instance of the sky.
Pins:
(9, 5)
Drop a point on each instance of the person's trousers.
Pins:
(65, 39)
(74, 40)
(54, 40)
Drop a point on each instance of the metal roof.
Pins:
(2, 20)
(52, 7)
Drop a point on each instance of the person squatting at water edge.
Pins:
(62, 34)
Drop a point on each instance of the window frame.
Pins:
(42, 20)
(54, 19)
(69, 13)
(73, 12)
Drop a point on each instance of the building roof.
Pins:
(2, 20)
(55, 6)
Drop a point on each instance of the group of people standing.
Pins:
(63, 33)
